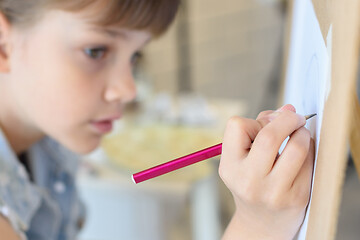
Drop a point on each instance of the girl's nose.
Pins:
(121, 87)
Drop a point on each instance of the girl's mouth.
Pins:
(104, 126)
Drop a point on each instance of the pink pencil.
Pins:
(183, 161)
(177, 163)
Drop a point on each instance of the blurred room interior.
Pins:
(219, 59)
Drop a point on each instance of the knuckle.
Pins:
(301, 143)
(302, 202)
(234, 120)
(266, 138)
(305, 133)
(301, 198)
(300, 148)
(264, 113)
(235, 123)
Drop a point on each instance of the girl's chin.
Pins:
(84, 151)
(84, 147)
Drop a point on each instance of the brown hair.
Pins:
(152, 15)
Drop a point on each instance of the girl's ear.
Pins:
(4, 44)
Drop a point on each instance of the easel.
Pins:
(340, 119)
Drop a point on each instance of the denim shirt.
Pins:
(47, 208)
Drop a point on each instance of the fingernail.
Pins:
(288, 107)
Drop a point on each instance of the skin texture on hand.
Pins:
(270, 191)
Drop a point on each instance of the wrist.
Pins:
(240, 230)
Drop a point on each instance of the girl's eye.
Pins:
(135, 58)
(95, 53)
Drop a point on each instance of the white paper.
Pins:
(306, 83)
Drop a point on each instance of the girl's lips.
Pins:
(103, 127)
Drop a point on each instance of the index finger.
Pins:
(263, 116)
(268, 141)
(239, 135)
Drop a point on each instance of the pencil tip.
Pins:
(310, 116)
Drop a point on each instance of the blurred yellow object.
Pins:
(139, 147)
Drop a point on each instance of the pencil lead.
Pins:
(310, 116)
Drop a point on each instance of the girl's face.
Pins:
(69, 79)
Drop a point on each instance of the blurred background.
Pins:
(219, 59)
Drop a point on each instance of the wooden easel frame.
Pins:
(338, 118)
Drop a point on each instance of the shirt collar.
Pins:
(16, 191)
(64, 159)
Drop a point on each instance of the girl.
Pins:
(66, 73)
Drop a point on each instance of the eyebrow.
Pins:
(115, 33)
(111, 32)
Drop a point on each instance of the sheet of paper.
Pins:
(306, 84)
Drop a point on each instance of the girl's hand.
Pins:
(270, 191)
